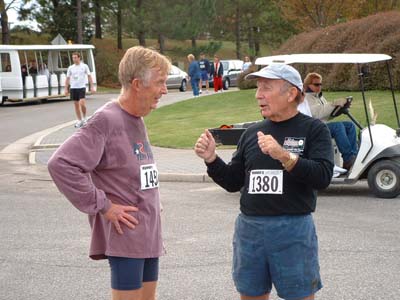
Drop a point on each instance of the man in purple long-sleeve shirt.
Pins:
(107, 170)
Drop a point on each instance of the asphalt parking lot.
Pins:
(43, 254)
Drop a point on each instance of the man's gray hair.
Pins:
(138, 62)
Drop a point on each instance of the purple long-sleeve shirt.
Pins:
(103, 163)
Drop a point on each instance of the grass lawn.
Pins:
(180, 124)
(103, 89)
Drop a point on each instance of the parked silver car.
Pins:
(177, 79)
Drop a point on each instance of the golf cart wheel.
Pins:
(384, 179)
(183, 86)
(226, 84)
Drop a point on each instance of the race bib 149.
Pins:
(148, 177)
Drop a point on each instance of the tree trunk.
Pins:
(141, 34)
(161, 41)
(79, 21)
(119, 25)
(142, 38)
(5, 34)
(191, 12)
(237, 30)
(256, 41)
(97, 19)
(251, 36)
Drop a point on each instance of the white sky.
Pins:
(13, 15)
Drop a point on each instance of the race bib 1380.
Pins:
(266, 182)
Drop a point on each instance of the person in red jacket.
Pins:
(217, 71)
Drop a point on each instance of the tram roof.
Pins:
(46, 47)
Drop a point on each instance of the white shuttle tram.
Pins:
(38, 72)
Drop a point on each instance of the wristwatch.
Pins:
(292, 159)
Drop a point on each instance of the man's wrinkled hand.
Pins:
(118, 214)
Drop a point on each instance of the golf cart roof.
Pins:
(323, 58)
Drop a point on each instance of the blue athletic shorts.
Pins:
(129, 273)
(204, 75)
(278, 250)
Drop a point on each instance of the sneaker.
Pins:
(84, 121)
(337, 171)
(78, 124)
(200, 91)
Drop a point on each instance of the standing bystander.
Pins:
(217, 71)
(76, 78)
(205, 70)
(246, 63)
(194, 74)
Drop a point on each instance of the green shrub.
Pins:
(245, 84)
(107, 61)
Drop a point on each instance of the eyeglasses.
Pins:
(317, 84)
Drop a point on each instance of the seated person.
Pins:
(343, 132)
(43, 70)
(33, 68)
(24, 73)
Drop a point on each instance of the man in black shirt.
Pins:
(279, 164)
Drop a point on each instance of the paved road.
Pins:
(44, 243)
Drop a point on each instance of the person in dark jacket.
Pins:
(194, 74)
(279, 164)
(205, 70)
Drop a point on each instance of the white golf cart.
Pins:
(378, 159)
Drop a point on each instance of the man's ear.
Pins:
(292, 94)
(135, 84)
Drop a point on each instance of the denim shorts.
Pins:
(278, 250)
(129, 273)
(204, 75)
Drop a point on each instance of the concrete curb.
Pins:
(38, 147)
(19, 150)
(49, 131)
(179, 177)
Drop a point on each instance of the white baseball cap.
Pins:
(279, 71)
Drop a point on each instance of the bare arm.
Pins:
(92, 87)
(66, 91)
